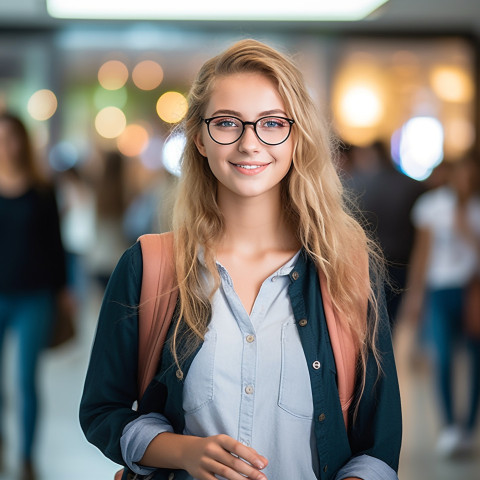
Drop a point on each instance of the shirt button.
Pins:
(179, 374)
(246, 443)
(295, 275)
(325, 468)
(303, 322)
(316, 365)
(171, 476)
(321, 417)
(274, 279)
(250, 338)
(249, 389)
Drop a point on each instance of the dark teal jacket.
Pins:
(111, 382)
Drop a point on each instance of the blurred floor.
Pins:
(421, 418)
(64, 454)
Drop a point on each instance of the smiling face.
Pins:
(248, 167)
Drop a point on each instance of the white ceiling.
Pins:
(404, 15)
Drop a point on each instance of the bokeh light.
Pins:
(172, 107)
(133, 140)
(172, 153)
(459, 136)
(360, 106)
(42, 104)
(147, 75)
(110, 122)
(452, 84)
(104, 98)
(113, 75)
(418, 146)
(63, 155)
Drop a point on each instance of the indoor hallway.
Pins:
(64, 454)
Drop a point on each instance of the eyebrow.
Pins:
(238, 114)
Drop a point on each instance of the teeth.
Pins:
(248, 167)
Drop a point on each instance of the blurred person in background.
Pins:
(444, 264)
(111, 202)
(76, 201)
(385, 198)
(32, 274)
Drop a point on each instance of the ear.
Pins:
(199, 144)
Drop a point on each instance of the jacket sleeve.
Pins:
(111, 381)
(376, 430)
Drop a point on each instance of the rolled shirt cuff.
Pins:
(137, 436)
(367, 468)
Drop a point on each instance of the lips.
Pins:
(249, 168)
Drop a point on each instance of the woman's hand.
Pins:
(203, 458)
(223, 456)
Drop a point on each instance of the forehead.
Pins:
(246, 93)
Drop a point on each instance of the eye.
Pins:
(225, 122)
(273, 122)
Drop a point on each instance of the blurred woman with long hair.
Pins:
(32, 269)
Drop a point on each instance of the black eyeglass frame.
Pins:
(244, 124)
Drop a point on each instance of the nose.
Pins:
(249, 140)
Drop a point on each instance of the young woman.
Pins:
(32, 269)
(247, 383)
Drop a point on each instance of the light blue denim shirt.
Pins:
(252, 367)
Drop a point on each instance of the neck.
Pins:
(255, 224)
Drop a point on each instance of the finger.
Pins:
(250, 455)
(242, 451)
(234, 468)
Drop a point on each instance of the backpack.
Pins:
(157, 304)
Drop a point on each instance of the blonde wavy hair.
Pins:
(312, 199)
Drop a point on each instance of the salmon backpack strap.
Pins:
(157, 303)
(345, 349)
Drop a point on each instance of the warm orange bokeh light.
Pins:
(133, 140)
(110, 122)
(147, 75)
(113, 75)
(172, 107)
(42, 104)
(452, 84)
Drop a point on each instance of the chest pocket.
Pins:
(198, 390)
(295, 394)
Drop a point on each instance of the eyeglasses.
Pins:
(270, 130)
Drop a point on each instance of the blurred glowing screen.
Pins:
(214, 9)
(420, 146)
(42, 104)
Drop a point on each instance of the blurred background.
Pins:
(100, 91)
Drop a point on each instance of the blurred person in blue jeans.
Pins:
(445, 262)
(32, 276)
